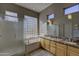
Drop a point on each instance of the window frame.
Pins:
(12, 16)
(69, 7)
(50, 15)
(31, 32)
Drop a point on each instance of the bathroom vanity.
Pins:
(60, 47)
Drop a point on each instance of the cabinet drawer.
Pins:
(52, 43)
(60, 45)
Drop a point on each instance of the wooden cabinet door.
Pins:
(73, 51)
(73, 54)
(52, 43)
(52, 47)
(47, 42)
(60, 51)
(42, 43)
(52, 50)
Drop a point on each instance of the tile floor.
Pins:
(41, 52)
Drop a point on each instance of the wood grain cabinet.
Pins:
(47, 46)
(42, 43)
(73, 51)
(58, 48)
(61, 49)
(52, 47)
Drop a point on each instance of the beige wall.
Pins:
(60, 19)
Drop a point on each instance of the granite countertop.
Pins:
(61, 41)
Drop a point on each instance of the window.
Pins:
(71, 9)
(11, 16)
(30, 26)
(50, 16)
(11, 13)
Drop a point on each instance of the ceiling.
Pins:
(38, 7)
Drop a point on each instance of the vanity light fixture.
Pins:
(70, 16)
